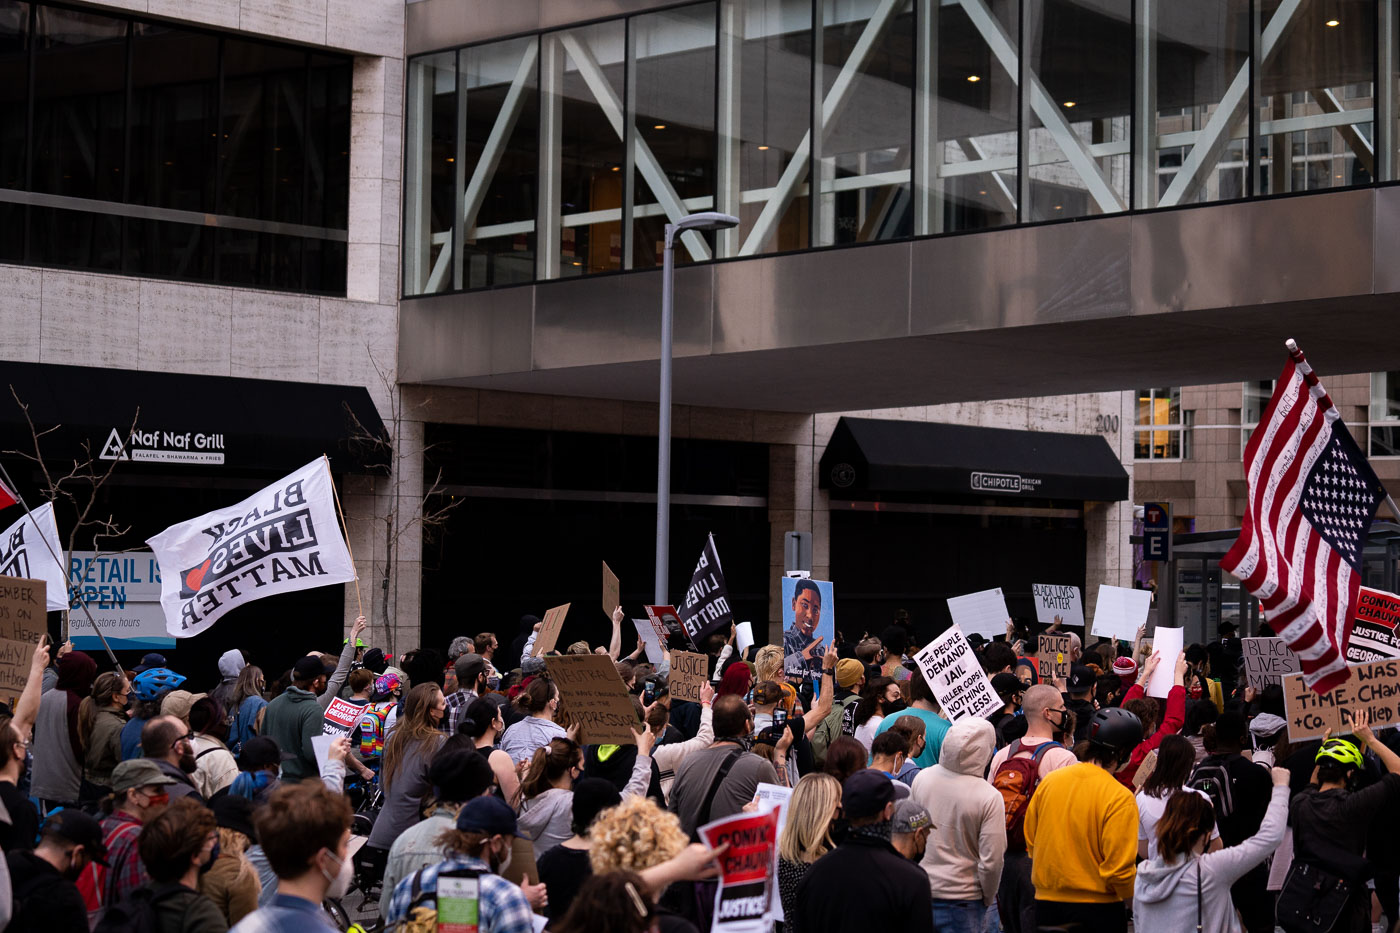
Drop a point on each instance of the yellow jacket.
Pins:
(1081, 833)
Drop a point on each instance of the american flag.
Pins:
(1311, 499)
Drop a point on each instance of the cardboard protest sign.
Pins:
(982, 613)
(706, 608)
(22, 626)
(280, 539)
(809, 625)
(956, 678)
(593, 696)
(340, 717)
(1374, 632)
(1167, 643)
(1052, 656)
(24, 554)
(550, 628)
(747, 889)
(1120, 612)
(689, 672)
(612, 591)
(652, 640)
(1057, 602)
(1268, 661)
(1374, 686)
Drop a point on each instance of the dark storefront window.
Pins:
(211, 159)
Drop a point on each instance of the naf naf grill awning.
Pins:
(868, 456)
(210, 424)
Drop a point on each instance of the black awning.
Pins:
(203, 423)
(866, 455)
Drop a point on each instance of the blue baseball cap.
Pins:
(489, 815)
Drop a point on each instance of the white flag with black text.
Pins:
(279, 540)
(24, 554)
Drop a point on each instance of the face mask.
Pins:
(344, 874)
(157, 800)
(894, 707)
(213, 857)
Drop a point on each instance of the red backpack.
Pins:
(1016, 779)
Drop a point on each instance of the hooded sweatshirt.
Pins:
(291, 721)
(968, 841)
(1164, 895)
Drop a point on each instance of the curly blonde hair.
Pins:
(768, 663)
(634, 835)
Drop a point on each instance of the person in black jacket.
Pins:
(1239, 812)
(864, 883)
(46, 898)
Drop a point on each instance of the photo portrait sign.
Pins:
(809, 625)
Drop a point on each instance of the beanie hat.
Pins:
(849, 671)
(1126, 669)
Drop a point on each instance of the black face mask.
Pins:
(895, 706)
(1066, 724)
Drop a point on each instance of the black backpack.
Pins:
(135, 913)
(1212, 778)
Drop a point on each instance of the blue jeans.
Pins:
(959, 916)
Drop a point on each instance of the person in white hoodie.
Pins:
(966, 847)
(1183, 888)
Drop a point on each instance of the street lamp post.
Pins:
(706, 220)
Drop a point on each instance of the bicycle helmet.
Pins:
(149, 685)
(1339, 751)
(1116, 729)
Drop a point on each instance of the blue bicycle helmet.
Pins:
(149, 685)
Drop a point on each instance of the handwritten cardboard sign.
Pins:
(22, 625)
(1375, 632)
(1052, 655)
(550, 628)
(1057, 602)
(689, 671)
(612, 591)
(956, 678)
(592, 694)
(1268, 661)
(982, 613)
(1374, 686)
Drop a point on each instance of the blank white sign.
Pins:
(981, 613)
(1120, 612)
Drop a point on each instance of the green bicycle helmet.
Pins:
(1339, 751)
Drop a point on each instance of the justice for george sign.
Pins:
(22, 625)
(1374, 686)
(688, 674)
(955, 677)
(1374, 631)
(593, 696)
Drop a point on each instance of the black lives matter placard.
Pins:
(281, 539)
(706, 608)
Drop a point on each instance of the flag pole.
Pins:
(73, 592)
(1324, 400)
(359, 606)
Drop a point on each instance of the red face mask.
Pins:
(158, 800)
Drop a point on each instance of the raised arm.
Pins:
(342, 667)
(1361, 728)
(615, 643)
(814, 716)
(27, 706)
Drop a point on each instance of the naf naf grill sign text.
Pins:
(284, 538)
(158, 446)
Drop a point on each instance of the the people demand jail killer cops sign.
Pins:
(281, 539)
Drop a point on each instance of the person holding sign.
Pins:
(1081, 832)
(1330, 821)
(802, 648)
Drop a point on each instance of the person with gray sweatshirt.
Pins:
(1181, 884)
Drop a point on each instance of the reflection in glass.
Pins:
(497, 96)
(864, 138)
(975, 118)
(1078, 128)
(765, 106)
(672, 119)
(581, 101)
(430, 172)
(14, 93)
(1197, 88)
(261, 147)
(1314, 99)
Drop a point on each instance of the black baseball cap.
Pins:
(491, 816)
(1007, 685)
(77, 826)
(261, 752)
(149, 662)
(1081, 679)
(866, 793)
(311, 667)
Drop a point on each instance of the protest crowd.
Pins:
(458, 788)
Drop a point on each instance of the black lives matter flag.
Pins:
(279, 540)
(706, 608)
